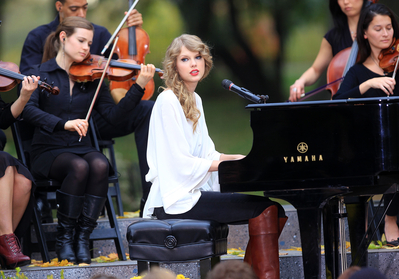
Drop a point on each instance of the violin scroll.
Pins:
(54, 90)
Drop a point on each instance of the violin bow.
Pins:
(100, 82)
(396, 68)
(119, 27)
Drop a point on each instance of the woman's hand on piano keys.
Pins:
(229, 157)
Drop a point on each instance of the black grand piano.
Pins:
(307, 153)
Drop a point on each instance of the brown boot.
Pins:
(247, 256)
(10, 252)
(262, 250)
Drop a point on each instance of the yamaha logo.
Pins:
(302, 148)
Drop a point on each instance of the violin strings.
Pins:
(11, 74)
(14, 75)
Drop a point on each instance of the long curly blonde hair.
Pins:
(172, 78)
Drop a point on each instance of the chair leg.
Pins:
(41, 239)
(116, 185)
(114, 224)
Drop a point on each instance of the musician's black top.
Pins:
(356, 76)
(339, 41)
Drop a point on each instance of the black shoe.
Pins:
(393, 243)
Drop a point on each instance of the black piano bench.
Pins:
(153, 241)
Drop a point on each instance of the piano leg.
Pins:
(309, 225)
(356, 208)
(331, 238)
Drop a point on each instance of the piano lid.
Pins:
(379, 100)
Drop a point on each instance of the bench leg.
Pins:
(206, 265)
(144, 266)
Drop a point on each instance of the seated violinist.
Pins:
(376, 32)
(57, 151)
(137, 122)
(15, 186)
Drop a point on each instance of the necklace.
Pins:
(375, 62)
(372, 58)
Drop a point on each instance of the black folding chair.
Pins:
(22, 134)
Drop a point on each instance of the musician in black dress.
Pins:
(61, 148)
(15, 185)
(137, 123)
(377, 30)
(345, 15)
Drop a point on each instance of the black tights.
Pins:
(81, 174)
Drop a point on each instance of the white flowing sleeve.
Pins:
(178, 159)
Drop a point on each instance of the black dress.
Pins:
(356, 75)
(339, 41)
(6, 160)
(50, 113)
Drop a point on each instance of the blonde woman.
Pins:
(183, 161)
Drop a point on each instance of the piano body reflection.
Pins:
(309, 152)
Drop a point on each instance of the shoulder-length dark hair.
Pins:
(339, 18)
(68, 25)
(366, 17)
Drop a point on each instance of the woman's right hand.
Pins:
(297, 90)
(386, 84)
(79, 125)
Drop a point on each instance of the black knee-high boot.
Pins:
(69, 208)
(92, 207)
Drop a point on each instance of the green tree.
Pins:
(230, 26)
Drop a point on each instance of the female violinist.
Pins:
(59, 122)
(376, 31)
(345, 15)
(15, 185)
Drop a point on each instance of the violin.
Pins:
(92, 67)
(389, 57)
(10, 77)
(134, 43)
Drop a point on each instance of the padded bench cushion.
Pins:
(176, 240)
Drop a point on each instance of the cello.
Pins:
(341, 63)
(133, 44)
(338, 67)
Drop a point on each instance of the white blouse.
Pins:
(179, 159)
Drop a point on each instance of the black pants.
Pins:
(138, 123)
(227, 208)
